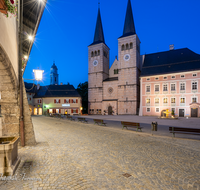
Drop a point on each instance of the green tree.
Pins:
(83, 91)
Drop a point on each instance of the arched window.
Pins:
(98, 52)
(95, 53)
(131, 45)
(123, 47)
(127, 46)
(92, 54)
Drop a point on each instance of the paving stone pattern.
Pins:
(72, 155)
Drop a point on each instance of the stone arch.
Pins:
(131, 45)
(95, 53)
(127, 46)
(98, 52)
(123, 47)
(163, 114)
(92, 54)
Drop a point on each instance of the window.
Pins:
(115, 71)
(148, 101)
(67, 100)
(182, 76)
(131, 45)
(157, 109)
(95, 53)
(165, 87)
(194, 100)
(194, 85)
(165, 78)
(98, 52)
(173, 100)
(50, 110)
(148, 88)
(123, 47)
(156, 88)
(173, 109)
(105, 54)
(165, 100)
(156, 100)
(127, 46)
(74, 111)
(156, 78)
(57, 111)
(194, 75)
(92, 54)
(182, 100)
(173, 87)
(173, 77)
(39, 101)
(56, 101)
(148, 109)
(74, 101)
(148, 78)
(182, 86)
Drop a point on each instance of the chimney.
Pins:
(38, 86)
(61, 83)
(171, 47)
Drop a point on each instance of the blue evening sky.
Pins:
(67, 28)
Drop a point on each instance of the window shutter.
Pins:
(76, 110)
(64, 100)
(76, 100)
(48, 111)
(59, 110)
(54, 100)
(59, 100)
(69, 100)
(54, 110)
(30, 98)
(71, 110)
(38, 101)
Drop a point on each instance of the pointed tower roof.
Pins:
(99, 35)
(129, 26)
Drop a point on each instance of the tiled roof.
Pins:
(57, 91)
(129, 26)
(99, 35)
(173, 61)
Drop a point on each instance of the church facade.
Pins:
(115, 90)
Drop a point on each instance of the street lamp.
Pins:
(38, 74)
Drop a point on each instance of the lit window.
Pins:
(194, 85)
(165, 87)
(74, 110)
(182, 86)
(50, 110)
(182, 100)
(148, 110)
(57, 101)
(148, 101)
(156, 88)
(165, 100)
(173, 100)
(74, 101)
(148, 88)
(194, 100)
(67, 100)
(57, 110)
(173, 87)
(156, 100)
(157, 109)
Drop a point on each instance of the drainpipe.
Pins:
(21, 75)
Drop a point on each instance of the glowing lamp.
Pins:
(38, 74)
(30, 38)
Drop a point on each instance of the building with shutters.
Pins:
(171, 80)
(54, 98)
(141, 84)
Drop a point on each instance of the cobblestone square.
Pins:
(72, 155)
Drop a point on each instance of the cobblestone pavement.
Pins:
(72, 155)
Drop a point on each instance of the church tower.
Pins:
(129, 66)
(98, 68)
(54, 75)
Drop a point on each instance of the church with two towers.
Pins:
(115, 90)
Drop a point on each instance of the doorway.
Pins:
(194, 112)
(181, 112)
(110, 110)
